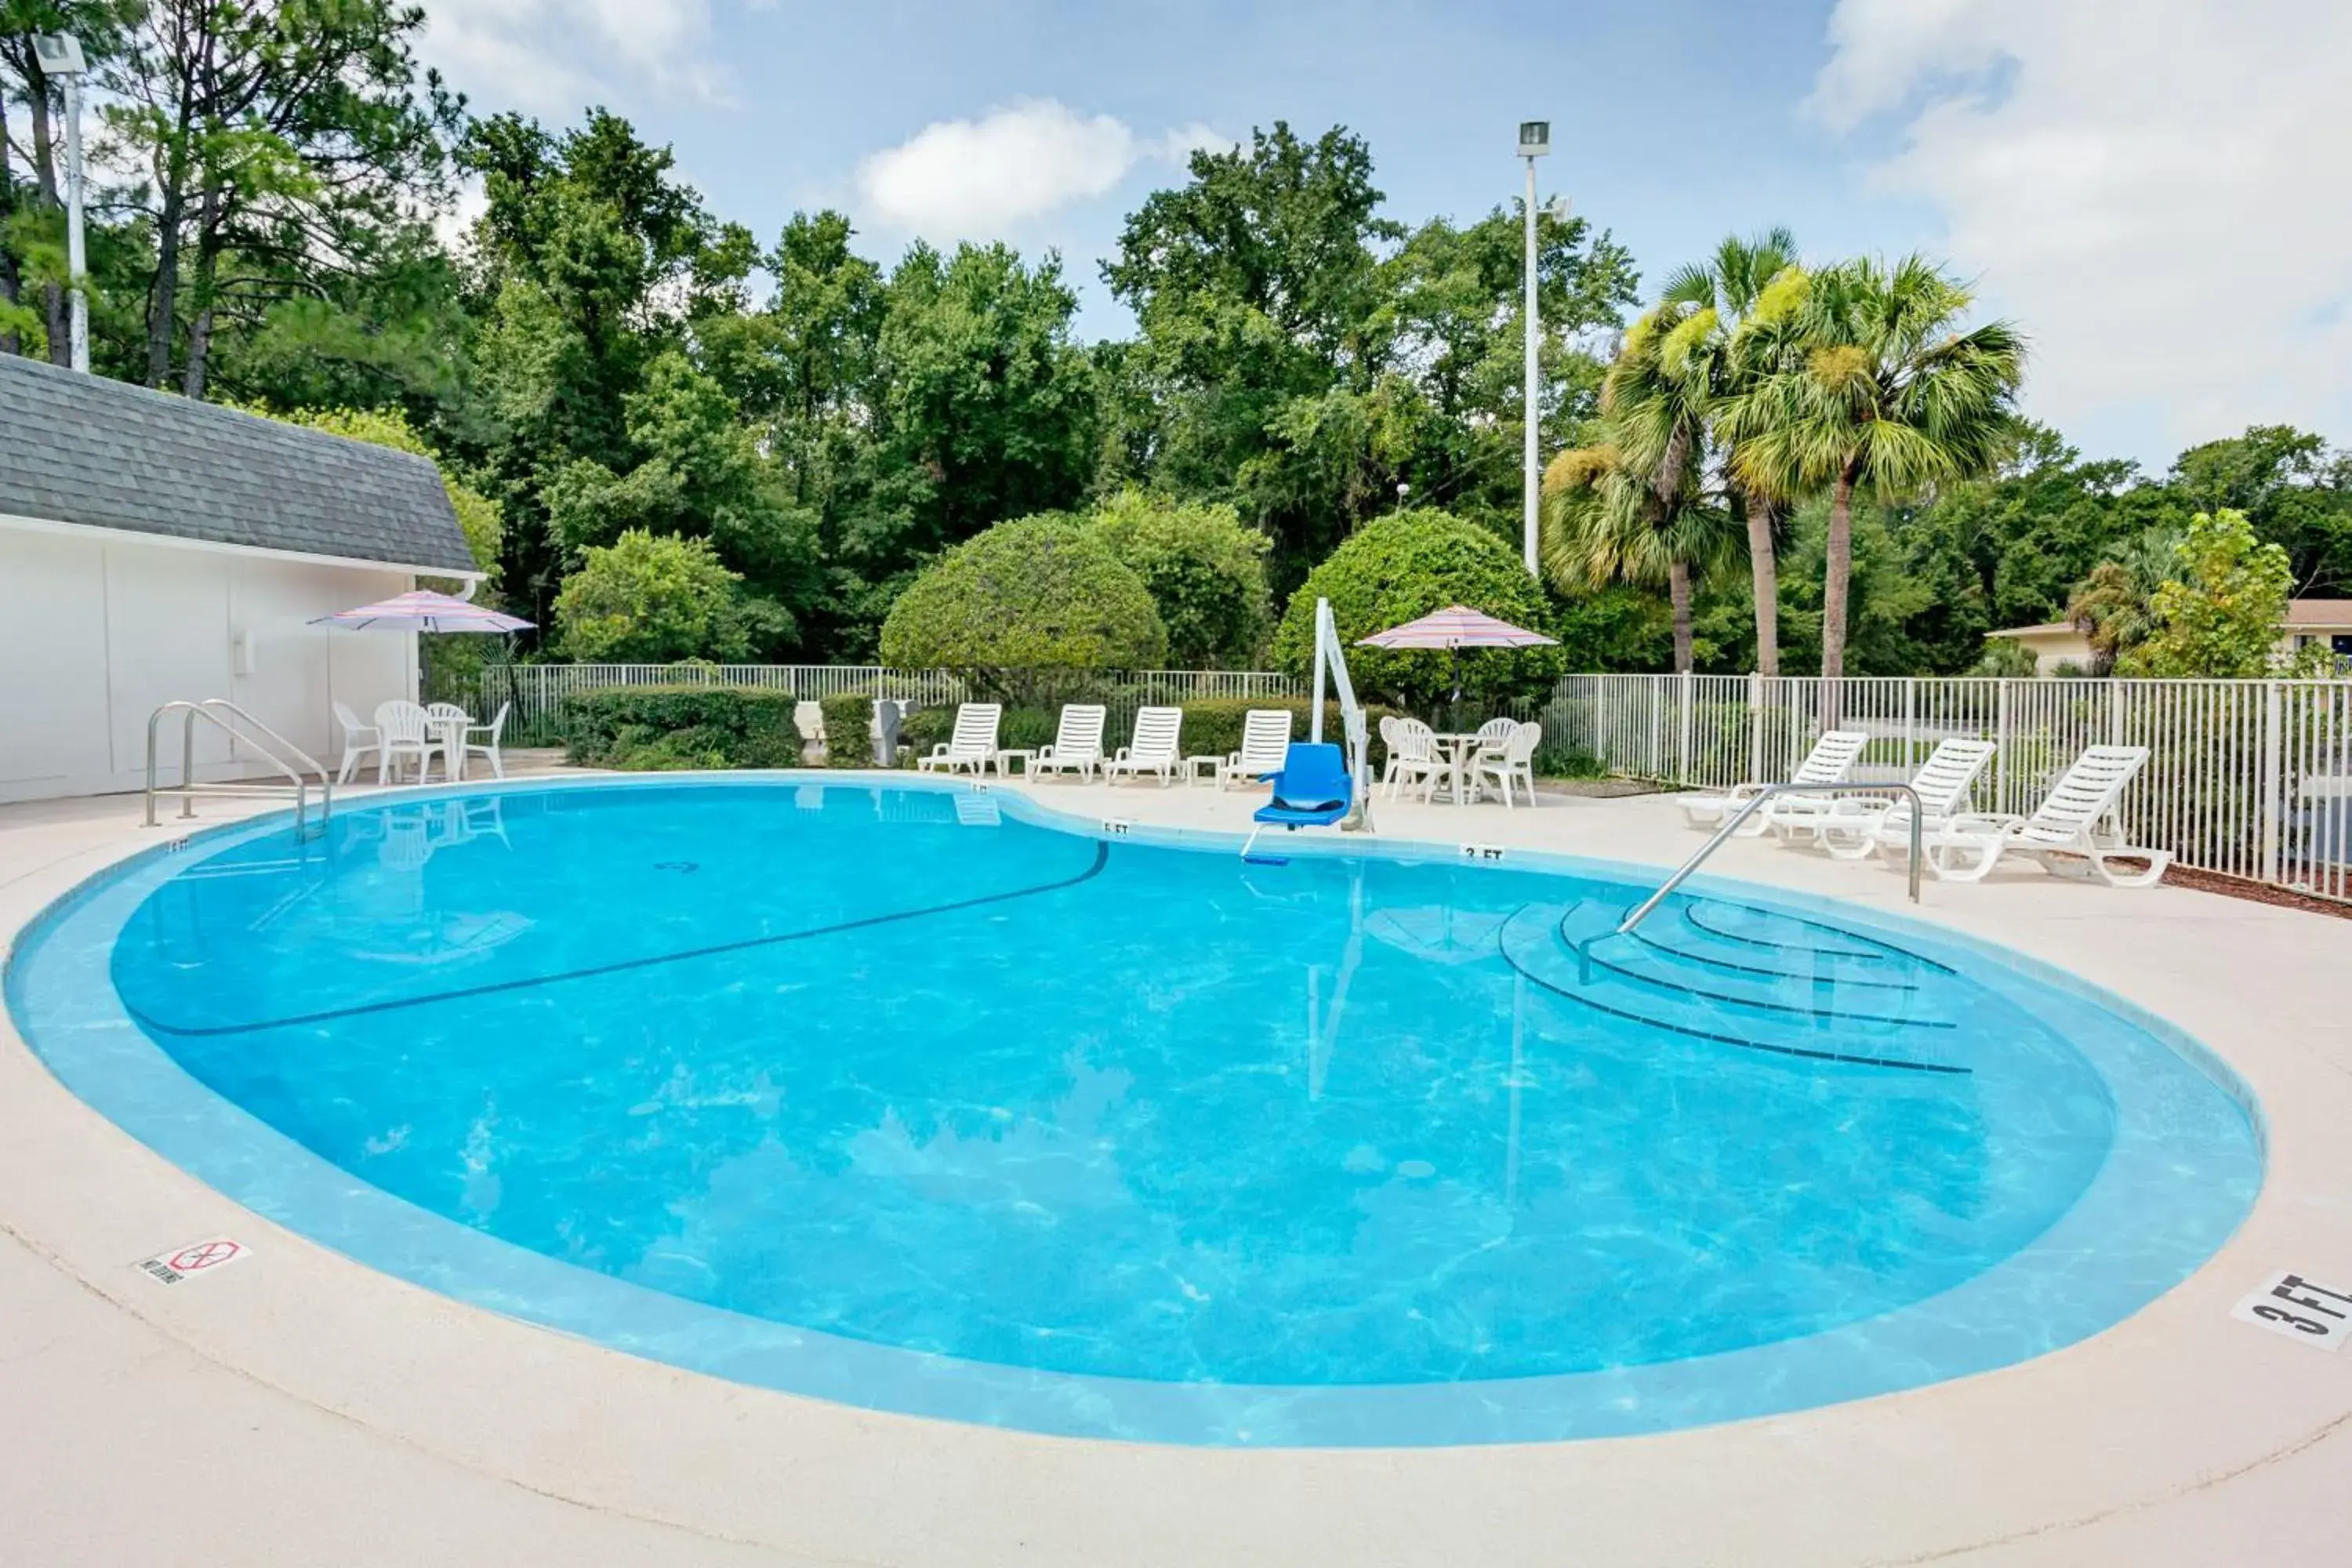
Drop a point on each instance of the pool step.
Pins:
(1573, 951)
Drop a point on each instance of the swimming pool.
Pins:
(934, 1101)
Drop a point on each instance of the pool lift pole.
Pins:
(1332, 661)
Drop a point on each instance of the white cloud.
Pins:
(975, 179)
(2157, 194)
(556, 57)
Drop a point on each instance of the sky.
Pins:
(2158, 192)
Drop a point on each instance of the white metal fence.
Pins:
(2252, 778)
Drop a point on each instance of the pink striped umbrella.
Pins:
(1456, 626)
(1453, 629)
(424, 611)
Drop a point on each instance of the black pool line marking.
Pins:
(1801, 1011)
(1712, 962)
(1101, 859)
(1719, 1039)
(1690, 913)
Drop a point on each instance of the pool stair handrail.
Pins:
(240, 727)
(1755, 802)
(1331, 658)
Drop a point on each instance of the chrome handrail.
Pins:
(256, 734)
(1747, 809)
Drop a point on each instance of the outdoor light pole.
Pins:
(60, 55)
(1534, 141)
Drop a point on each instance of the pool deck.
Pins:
(301, 1409)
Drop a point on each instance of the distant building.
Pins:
(2327, 622)
(154, 548)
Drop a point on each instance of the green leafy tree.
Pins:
(1205, 573)
(2114, 605)
(2296, 492)
(652, 599)
(1406, 565)
(2220, 615)
(32, 212)
(1871, 386)
(1040, 593)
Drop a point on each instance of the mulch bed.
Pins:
(2256, 892)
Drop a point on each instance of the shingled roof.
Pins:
(83, 449)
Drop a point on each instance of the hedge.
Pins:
(654, 728)
(1212, 725)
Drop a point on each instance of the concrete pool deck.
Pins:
(300, 1408)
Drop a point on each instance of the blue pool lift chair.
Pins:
(1313, 789)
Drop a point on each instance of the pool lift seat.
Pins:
(1321, 784)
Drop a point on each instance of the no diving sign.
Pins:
(197, 1258)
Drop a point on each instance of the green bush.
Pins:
(848, 718)
(668, 727)
(652, 599)
(1212, 725)
(1406, 565)
(1205, 571)
(1042, 593)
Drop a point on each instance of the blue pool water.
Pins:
(920, 1099)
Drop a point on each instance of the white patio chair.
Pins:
(1493, 732)
(1265, 742)
(1077, 742)
(1831, 759)
(1848, 827)
(1153, 748)
(1514, 758)
(2069, 834)
(406, 732)
(359, 739)
(469, 747)
(1413, 757)
(973, 745)
(449, 724)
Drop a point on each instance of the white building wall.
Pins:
(98, 629)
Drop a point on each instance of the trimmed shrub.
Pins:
(1212, 725)
(651, 599)
(848, 735)
(670, 727)
(1406, 565)
(1205, 570)
(1042, 593)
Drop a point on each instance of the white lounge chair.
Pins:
(1413, 755)
(1849, 827)
(487, 747)
(1077, 742)
(1153, 748)
(2069, 833)
(1265, 742)
(406, 732)
(1514, 758)
(973, 745)
(808, 720)
(1831, 759)
(359, 741)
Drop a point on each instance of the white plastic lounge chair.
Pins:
(1514, 758)
(359, 741)
(1849, 827)
(1153, 746)
(1265, 742)
(1077, 742)
(405, 732)
(2069, 833)
(1831, 759)
(467, 746)
(1413, 757)
(973, 745)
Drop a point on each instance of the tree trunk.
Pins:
(200, 341)
(200, 329)
(9, 278)
(1836, 573)
(45, 180)
(163, 303)
(1678, 593)
(1765, 570)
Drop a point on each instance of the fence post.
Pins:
(1683, 695)
(1910, 724)
(2003, 768)
(2273, 779)
(1755, 724)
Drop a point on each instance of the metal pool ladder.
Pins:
(1749, 807)
(239, 726)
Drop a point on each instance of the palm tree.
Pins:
(2112, 608)
(1633, 507)
(1727, 288)
(1867, 383)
